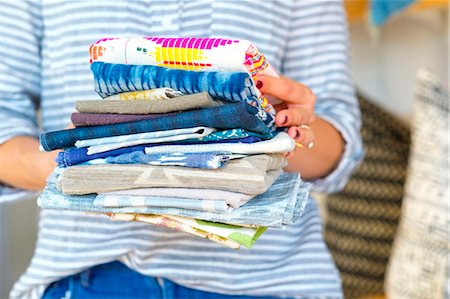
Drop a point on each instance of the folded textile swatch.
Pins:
(163, 93)
(282, 142)
(232, 199)
(230, 116)
(281, 205)
(201, 131)
(190, 136)
(111, 79)
(249, 175)
(246, 236)
(182, 103)
(163, 221)
(234, 134)
(74, 156)
(129, 201)
(99, 119)
(211, 160)
(186, 53)
(98, 145)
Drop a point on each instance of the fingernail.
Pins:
(284, 121)
(297, 133)
(259, 84)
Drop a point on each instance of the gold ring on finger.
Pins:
(306, 127)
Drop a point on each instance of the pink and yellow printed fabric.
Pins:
(187, 53)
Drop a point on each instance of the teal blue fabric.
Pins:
(234, 134)
(382, 10)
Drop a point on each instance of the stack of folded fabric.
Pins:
(182, 138)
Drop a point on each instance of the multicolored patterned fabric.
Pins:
(246, 236)
(163, 93)
(234, 134)
(163, 221)
(187, 53)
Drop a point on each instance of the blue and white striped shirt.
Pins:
(44, 53)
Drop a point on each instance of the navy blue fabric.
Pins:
(116, 281)
(230, 116)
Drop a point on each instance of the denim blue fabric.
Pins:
(279, 206)
(230, 116)
(211, 160)
(107, 281)
(74, 156)
(110, 79)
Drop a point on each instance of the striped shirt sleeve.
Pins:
(317, 54)
(20, 28)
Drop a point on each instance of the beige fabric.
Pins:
(250, 175)
(187, 102)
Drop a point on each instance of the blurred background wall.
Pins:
(385, 60)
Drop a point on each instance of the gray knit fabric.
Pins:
(187, 102)
(250, 175)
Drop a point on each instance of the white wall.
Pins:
(384, 63)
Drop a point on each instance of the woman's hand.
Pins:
(296, 110)
(23, 165)
(319, 144)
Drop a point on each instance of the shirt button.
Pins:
(166, 22)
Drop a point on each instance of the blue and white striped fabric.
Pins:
(130, 201)
(210, 160)
(291, 195)
(45, 54)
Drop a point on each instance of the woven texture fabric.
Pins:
(419, 265)
(181, 103)
(362, 219)
(231, 116)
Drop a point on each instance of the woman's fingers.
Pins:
(302, 135)
(294, 116)
(287, 90)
